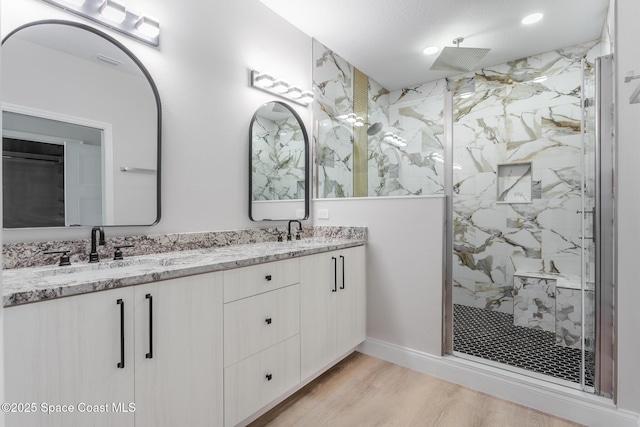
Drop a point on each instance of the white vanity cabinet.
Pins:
(204, 350)
(261, 336)
(68, 351)
(178, 352)
(332, 300)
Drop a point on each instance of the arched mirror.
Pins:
(278, 164)
(80, 130)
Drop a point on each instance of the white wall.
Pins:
(202, 72)
(628, 140)
(404, 265)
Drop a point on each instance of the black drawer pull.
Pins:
(335, 274)
(121, 362)
(268, 320)
(150, 354)
(342, 258)
(268, 277)
(269, 377)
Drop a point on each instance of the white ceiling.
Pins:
(385, 38)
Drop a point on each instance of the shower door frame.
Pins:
(604, 230)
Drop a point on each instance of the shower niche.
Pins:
(514, 183)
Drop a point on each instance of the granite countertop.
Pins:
(25, 285)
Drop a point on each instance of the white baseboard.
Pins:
(574, 405)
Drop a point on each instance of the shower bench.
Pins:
(553, 303)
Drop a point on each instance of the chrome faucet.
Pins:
(289, 229)
(93, 256)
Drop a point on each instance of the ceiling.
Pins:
(385, 38)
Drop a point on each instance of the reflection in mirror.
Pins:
(279, 180)
(81, 140)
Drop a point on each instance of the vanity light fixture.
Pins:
(149, 26)
(114, 14)
(113, 10)
(294, 92)
(263, 80)
(273, 85)
(280, 87)
(307, 97)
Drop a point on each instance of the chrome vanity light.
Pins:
(115, 15)
(275, 86)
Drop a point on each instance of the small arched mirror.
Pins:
(278, 164)
(81, 130)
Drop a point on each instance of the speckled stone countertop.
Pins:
(25, 285)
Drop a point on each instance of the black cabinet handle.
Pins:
(268, 320)
(342, 258)
(269, 377)
(268, 277)
(150, 354)
(121, 304)
(335, 274)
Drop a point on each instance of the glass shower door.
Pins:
(518, 208)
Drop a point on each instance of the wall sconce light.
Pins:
(115, 15)
(269, 83)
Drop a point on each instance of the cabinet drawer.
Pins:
(256, 381)
(255, 323)
(247, 281)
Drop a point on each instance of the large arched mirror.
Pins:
(80, 130)
(278, 164)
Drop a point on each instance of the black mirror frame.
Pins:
(154, 89)
(306, 163)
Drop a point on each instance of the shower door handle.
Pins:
(593, 223)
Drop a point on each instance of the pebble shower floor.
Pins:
(491, 335)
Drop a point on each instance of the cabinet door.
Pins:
(179, 366)
(351, 300)
(66, 352)
(318, 292)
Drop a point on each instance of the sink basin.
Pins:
(125, 264)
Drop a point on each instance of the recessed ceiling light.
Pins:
(430, 50)
(532, 19)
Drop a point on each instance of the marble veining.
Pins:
(42, 283)
(278, 159)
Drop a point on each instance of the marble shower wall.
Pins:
(333, 137)
(417, 115)
(278, 159)
(524, 111)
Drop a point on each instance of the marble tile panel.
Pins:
(418, 92)
(560, 183)
(561, 120)
(534, 303)
(486, 186)
(568, 323)
(490, 296)
(464, 292)
(464, 184)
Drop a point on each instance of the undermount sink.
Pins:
(107, 265)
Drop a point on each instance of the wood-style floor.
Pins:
(365, 391)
